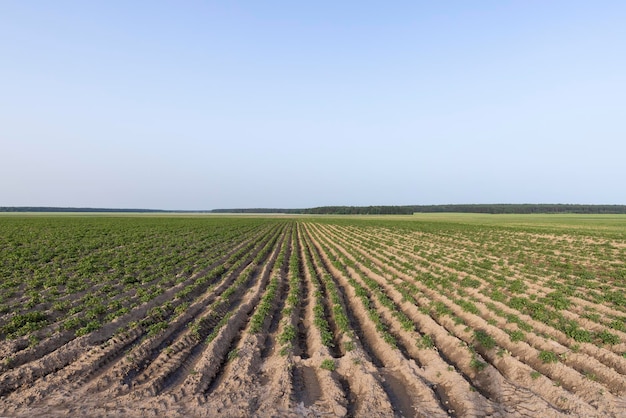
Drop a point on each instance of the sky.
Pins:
(196, 105)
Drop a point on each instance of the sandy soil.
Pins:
(409, 350)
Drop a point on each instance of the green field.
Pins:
(441, 314)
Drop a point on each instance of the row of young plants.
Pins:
(546, 309)
(239, 337)
(555, 308)
(406, 289)
(564, 286)
(226, 301)
(198, 285)
(109, 253)
(480, 340)
(144, 330)
(203, 326)
(329, 306)
(291, 310)
(106, 300)
(440, 309)
(155, 321)
(268, 301)
(206, 284)
(338, 310)
(319, 310)
(567, 264)
(412, 345)
(341, 264)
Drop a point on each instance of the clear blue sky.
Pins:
(203, 104)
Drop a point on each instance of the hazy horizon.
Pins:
(199, 106)
(85, 209)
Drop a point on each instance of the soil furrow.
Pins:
(206, 316)
(614, 382)
(390, 359)
(58, 338)
(580, 407)
(336, 347)
(611, 355)
(169, 371)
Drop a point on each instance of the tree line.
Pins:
(370, 210)
(473, 208)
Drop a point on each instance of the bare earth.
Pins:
(208, 362)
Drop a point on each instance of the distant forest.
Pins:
(409, 210)
(368, 210)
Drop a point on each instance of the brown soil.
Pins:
(401, 357)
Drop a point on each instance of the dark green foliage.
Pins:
(425, 342)
(548, 357)
(468, 306)
(607, 338)
(516, 335)
(328, 364)
(557, 300)
(485, 340)
(477, 364)
(288, 334)
(469, 282)
(517, 286)
(23, 324)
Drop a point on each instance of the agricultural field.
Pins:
(416, 316)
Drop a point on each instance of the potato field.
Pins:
(415, 316)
